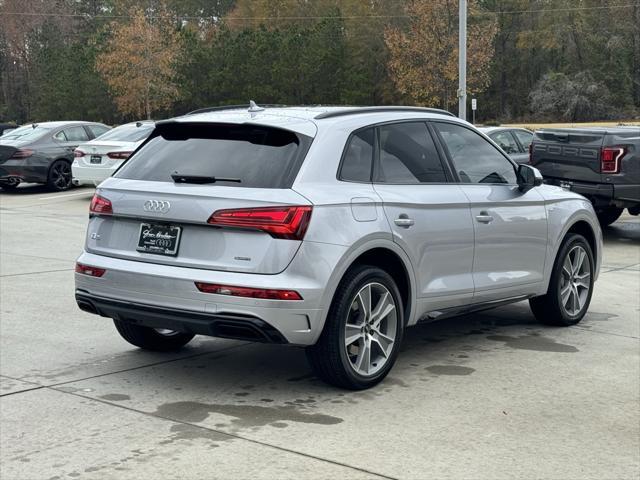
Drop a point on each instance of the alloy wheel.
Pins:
(61, 175)
(371, 329)
(576, 281)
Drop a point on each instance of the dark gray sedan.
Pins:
(43, 152)
(514, 141)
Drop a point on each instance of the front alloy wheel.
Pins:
(575, 283)
(59, 176)
(571, 285)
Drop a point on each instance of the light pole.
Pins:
(462, 61)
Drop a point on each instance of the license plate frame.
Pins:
(159, 239)
(95, 159)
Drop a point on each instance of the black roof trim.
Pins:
(358, 110)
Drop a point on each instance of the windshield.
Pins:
(129, 132)
(27, 132)
(254, 156)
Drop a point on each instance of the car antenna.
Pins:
(254, 108)
(34, 125)
(138, 124)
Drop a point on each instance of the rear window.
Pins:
(129, 132)
(260, 157)
(26, 133)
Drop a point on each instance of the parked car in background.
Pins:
(514, 141)
(43, 152)
(7, 127)
(601, 163)
(98, 159)
(332, 228)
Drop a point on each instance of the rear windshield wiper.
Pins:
(201, 179)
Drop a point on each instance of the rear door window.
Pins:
(408, 155)
(75, 134)
(259, 157)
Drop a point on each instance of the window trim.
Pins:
(486, 137)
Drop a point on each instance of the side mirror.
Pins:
(528, 177)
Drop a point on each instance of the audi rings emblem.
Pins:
(156, 206)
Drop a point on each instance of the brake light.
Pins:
(266, 294)
(22, 153)
(610, 159)
(89, 270)
(100, 205)
(78, 153)
(279, 222)
(119, 155)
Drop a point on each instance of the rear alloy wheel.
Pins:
(608, 215)
(571, 286)
(156, 339)
(362, 333)
(60, 177)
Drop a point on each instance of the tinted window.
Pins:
(75, 134)
(358, 157)
(259, 157)
(98, 130)
(129, 132)
(408, 155)
(525, 138)
(474, 158)
(506, 142)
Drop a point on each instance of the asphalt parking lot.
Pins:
(491, 395)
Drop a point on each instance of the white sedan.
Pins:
(96, 160)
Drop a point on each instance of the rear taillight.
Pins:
(119, 155)
(78, 153)
(266, 294)
(100, 205)
(279, 222)
(89, 270)
(22, 153)
(610, 159)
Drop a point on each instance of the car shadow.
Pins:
(622, 232)
(38, 189)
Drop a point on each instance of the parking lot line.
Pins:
(64, 196)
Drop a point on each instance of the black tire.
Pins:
(328, 357)
(59, 176)
(549, 308)
(151, 339)
(606, 216)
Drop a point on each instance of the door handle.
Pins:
(404, 221)
(484, 217)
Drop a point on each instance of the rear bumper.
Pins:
(240, 327)
(172, 288)
(90, 175)
(602, 194)
(24, 171)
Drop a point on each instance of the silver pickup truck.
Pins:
(601, 163)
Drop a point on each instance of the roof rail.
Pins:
(231, 107)
(357, 110)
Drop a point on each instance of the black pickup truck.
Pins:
(601, 163)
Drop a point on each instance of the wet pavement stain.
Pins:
(189, 432)
(115, 397)
(534, 342)
(450, 370)
(246, 416)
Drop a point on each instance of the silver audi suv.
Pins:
(332, 228)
